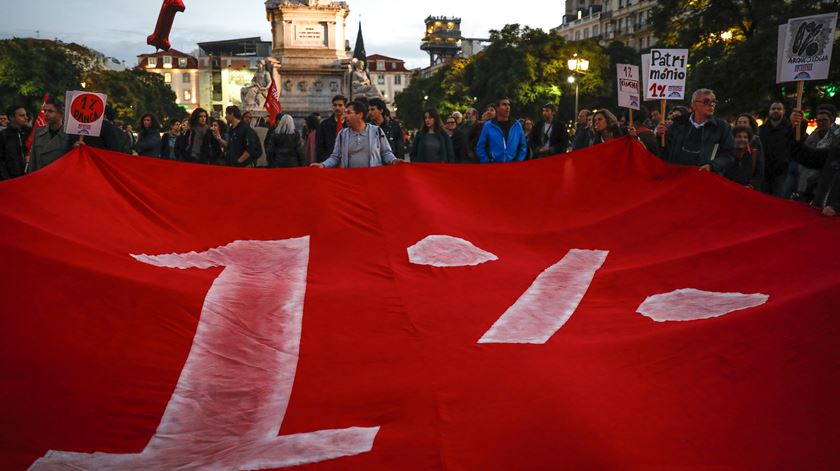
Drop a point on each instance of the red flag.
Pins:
(599, 309)
(272, 102)
(41, 120)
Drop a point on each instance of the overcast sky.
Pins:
(393, 28)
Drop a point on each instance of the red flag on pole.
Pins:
(40, 121)
(272, 102)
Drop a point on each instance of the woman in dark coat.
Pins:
(148, 139)
(284, 147)
(432, 143)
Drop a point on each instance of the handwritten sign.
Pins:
(628, 86)
(85, 114)
(667, 73)
(805, 46)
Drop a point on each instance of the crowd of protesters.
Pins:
(362, 133)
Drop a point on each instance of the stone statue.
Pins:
(253, 95)
(360, 82)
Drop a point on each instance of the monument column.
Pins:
(309, 47)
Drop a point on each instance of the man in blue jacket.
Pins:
(502, 139)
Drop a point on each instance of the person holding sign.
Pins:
(827, 160)
(700, 138)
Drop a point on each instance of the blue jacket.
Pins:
(492, 147)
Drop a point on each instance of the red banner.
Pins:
(595, 310)
(272, 103)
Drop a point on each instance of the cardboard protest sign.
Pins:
(628, 86)
(85, 113)
(805, 46)
(667, 73)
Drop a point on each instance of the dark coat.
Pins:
(748, 169)
(164, 147)
(774, 140)
(284, 150)
(584, 137)
(242, 138)
(148, 143)
(461, 146)
(110, 138)
(326, 137)
(47, 148)
(184, 147)
(828, 162)
(717, 145)
(558, 139)
(13, 151)
(419, 154)
(394, 134)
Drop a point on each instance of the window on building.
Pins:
(620, 3)
(595, 30)
(167, 62)
(586, 33)
(393, 66)
(577, 35)
(152, 62)
(186, 78)
(380, 79)
(398, 80)
(187, 95)
(167, 77)
(380, 65)
(182, 62)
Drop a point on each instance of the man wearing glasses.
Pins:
(699, 138)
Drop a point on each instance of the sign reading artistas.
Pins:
(666, 75)
(85, 113)
(805, 46)
(628, 86)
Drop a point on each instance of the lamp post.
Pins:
(577, 65)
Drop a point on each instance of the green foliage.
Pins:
(29, 68)
(527, 65)
(741, 70)
(133, 93)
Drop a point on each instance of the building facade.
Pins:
(626, 21)
(224, 67)
(179, 71)
(389, 75)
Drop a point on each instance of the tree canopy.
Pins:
(29, 68)
(527, 65)
(732, 49)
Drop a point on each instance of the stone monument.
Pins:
(311, 61)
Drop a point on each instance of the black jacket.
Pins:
(148, 143)
(445, 154)
(828, 161)
(774, 140)
(394, 134)
(326, 137)
(184, 147)
(558, 139)
(242, 138)
(284, 150)
(13, 151)
(717, 145)
(584, 137)
(110, 138)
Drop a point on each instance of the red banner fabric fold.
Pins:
(600, 309)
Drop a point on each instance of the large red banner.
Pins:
(595, 310)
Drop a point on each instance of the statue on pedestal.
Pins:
(360, 82)
(254, 95)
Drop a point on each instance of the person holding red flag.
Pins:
(49, 141)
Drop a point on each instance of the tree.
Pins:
(732, 48)
(29, 68)
(524, 64)
(133, 93)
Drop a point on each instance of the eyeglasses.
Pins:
(707, 101)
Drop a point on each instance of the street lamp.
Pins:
(577, 66)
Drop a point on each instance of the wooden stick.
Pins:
(631, 117)
(800, 90)
(662, 108)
